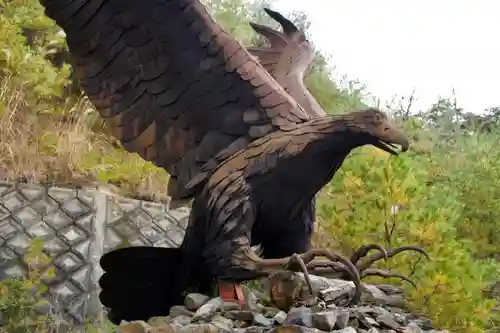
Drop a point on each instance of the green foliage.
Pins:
(28, 64)
(474, 177)
(48, 132)
(234, 16)
(97, 327)
(358, 207)
(327, 92)
(19, 297)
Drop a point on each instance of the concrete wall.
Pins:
(77, 227)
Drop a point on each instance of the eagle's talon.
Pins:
(391, 253)
(386, 274)
(363, 250)
(296, 258)
(338, 263)
(364, 269)
(341, 271)
(308, 263)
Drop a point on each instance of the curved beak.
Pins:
(390, 137)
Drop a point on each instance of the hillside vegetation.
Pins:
(443, 194)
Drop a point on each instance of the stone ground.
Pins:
(283, 304)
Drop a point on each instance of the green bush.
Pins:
(22, 21)
(19, 297)
(48, 131)
(357, 207)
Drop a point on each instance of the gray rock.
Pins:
(374, 291)
(319, 283)
(194, 301)
(135, 327)
(401, 319)
(337, 293)
(392, 300)
(168, 328)
(270, 312)
(371, 321)
(374, 295)
(208, 310)
(179, 310)
(342, 319)
(353, 322)
(280, 317)
(240, 323)
(388, 320)
(229, 306)
(243, 315)
(299, 316)
(365, 320)
(373, 330)
(159, 321)
(180, 320)
(310, 301)
(260, 320)
(346, 330)
(426, 324)
(222, 322)
(381, 311)
(320, 307)
(293, 329)
(324, 321)
(252, 329)
(413, 328)
(197, 328)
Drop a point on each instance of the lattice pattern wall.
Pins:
(77, 227)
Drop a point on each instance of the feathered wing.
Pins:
(286, 59)
(175, 87)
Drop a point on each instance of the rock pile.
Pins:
(286, 306)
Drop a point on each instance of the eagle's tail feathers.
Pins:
(140, 282)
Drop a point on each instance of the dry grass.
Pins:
(34, 147)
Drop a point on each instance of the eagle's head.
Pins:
(379, 130)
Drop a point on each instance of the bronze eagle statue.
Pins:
(236, 130)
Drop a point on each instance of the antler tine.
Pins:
(287, 25)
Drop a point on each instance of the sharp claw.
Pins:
(353, 271)
(327, 268)
(377, 256)
(306, 261)
(414, 248)
(338, 263)
(298, 259)
(363, 251)
(386, 274)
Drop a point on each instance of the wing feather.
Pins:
(286, 59)
(175, 87)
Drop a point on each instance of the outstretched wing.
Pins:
(175, 87)
(286, 59)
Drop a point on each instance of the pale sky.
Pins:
(394, 46)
